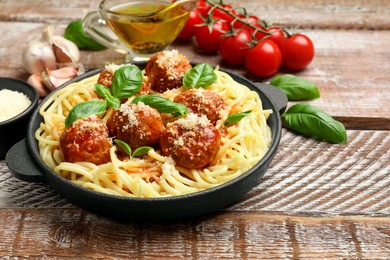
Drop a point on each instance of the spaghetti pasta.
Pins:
(242, 145)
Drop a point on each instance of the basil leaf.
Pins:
(235, 118)
(127, 81)
(296, 88)
(313, 122)
(200, 76)
(105, 93)
(125, 146)
(163, 105)
(127, 149)
(142, 150)
(85, 109)
(74, 32)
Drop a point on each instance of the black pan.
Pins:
(25, 164)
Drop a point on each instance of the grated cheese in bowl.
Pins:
(12, 103)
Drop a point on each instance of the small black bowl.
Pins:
(15, 128)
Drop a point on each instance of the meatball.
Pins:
(106, 77)
(166, 69)
(86, 140)
(202, 102)
(192, 141)
(136, 124)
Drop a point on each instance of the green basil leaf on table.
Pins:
(235, 118)
(105, 93)
(125, 146)
(85, 109)
(127, 81)
(74, 32)
(142, 150)
(311, 121)
(163, 105)
(200, 76)
(296, 88)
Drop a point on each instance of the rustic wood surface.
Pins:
(317, 200)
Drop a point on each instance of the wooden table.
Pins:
(317, 200)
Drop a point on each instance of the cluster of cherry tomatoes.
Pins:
(244, 39)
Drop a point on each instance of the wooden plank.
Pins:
(327, 180)
(333, 14)
(61, 233)
(364, 123)
(330, 14)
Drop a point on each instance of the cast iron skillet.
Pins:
(25, 164)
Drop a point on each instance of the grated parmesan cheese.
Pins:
(168, 60)
(113, 67)
(168, 167)
(191, 120)
(12, 103)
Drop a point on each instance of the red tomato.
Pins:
(208, 37)
(202, 7)
(264, 59)
(252, 19)
(219, 14)
(234, 48)
(297, 51)
(189, 28)
(261, 32)
(277, 35)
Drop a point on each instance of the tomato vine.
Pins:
(221, 27)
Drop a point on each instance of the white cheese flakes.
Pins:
(12, 103)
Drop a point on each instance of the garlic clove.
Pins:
(65, 51)
(36, 81)
(69, 65)
(55, 78)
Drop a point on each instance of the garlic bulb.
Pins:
(50, 52)
(52, 60)
(39, 55)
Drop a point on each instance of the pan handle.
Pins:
(21, 165)
(276, 95)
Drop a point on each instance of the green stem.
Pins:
(236, 18)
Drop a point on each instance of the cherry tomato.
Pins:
(189, 28)
(202, 8)
(219, 14)
(261, 32)
(297, 51)
(252, 19)
(209, 36)
(264, 59)
(277, 35)
(234, 48)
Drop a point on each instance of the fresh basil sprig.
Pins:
(296, 88)
(200, 76)
(163, 105)
(127, 81)
(235, 118)
(142, 150)
(311, 121)
(74, 32)
(85, 109)
(105, 92)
